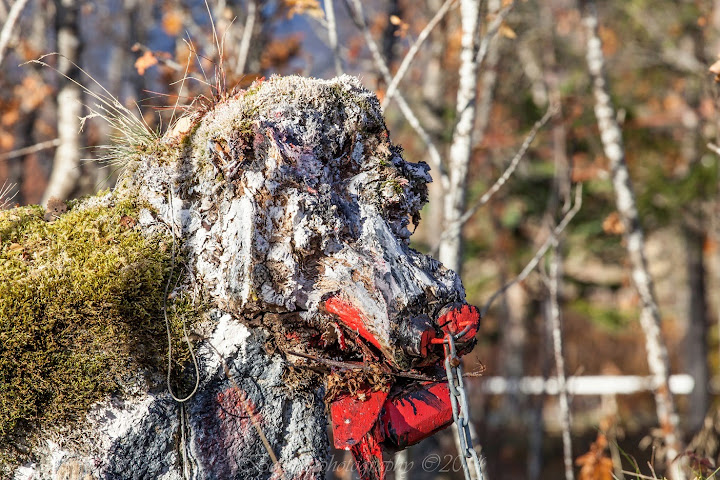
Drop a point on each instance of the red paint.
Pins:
(414, 416)
(235, 408)
(353, 418)
(403, 419)
(456, 320)
(406, 419)
(368, 456)
(351, 317)
(341, 337)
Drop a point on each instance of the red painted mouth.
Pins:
(363, 422)
(420, 335)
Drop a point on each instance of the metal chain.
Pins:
(460, 409)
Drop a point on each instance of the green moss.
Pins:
(80, 312)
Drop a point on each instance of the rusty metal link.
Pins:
(460, 408)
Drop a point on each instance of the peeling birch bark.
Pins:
(280, 197)
(657, 356)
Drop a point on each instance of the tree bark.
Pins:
(696, 348)
(657, 356)
(66, 166)
(450, 253)
(9, 25)
(553, 316)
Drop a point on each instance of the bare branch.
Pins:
(492, 32)
(31, 149)
(410, 55)
(244, 47)
(360, 366)
(714, 148)
(502, 180)
(550, 241)
(332, 35)
(7, 29)
(433, 152)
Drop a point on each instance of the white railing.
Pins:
(681, 384)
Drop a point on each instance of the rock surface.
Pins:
(279, 197)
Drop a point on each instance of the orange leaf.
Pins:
(507, 32)
(6, 141)
(613, 225)
(172, 23)
(146, 61)
(595, 465)
(301, 7)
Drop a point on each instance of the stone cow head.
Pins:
(294, 213)
(291, 194)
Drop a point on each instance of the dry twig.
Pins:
(552, 238)
(433, 152)
(6, 32)
(31, 149)
(410, 55)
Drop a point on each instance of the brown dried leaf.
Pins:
(55, 208)
(403, 27)
(146, 61)
(127, 221)
(304, 7)
(613, 224)
(507, 32)
(6, 141)
(595, 464)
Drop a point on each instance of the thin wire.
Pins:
(167, 328)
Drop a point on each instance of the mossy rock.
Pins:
(81, 311)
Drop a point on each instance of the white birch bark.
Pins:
(332, 35)
(556, 328)
(657, 355)
(66, 166)
(450, 252)
(247, 31)
(9, 25)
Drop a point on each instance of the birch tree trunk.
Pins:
(450, 253)
(555, 321)
(66, 167)
(657, 355)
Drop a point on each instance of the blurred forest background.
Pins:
(514, 104)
